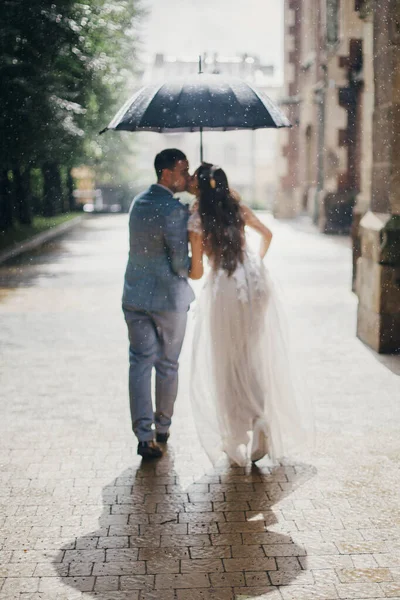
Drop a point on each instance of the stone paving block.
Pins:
(256, 578)
(36, 556)
(80, 569)
(53, 585)
(17, 569)
(208, 594)
(289, 563)
(54, 544)
(51, 570)
(226, 539)
(283, 550)
(70, 595)
(231, 506)
(119, 568)
(235, 516)
(239, 527)
(202, 528)
(321, 548)
(113, 542)
(198, 507)
(227, 580)
(195, 518)
(360, 590)
(376, 575)
(162, 518)
(137, 582)
(294, 577)
(84, 556)
(106, 584)
(362, 547)
(131, 595)
(206, 565)
(162, 565)
(87, 543)
(122, 554)
(148, 541)
(170, 506)
(248, 552)
(249, 564)
(261, 593)
(122, 530)
(268, 537)
(155, 595)
(386, 560)
(309, 592)
(185, 540)
(367, 561)
(175, 552)
(324, 576)
(210, 497)
(15, 585)
(326, 562)
(186, 580)
(210, 552)
(166, 529)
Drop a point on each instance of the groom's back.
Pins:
(155, 277)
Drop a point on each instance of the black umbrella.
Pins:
(199, 103)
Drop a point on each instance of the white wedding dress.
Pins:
(244, 399)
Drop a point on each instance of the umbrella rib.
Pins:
(268, 109)
(237, 101)
(210, 100)
(178, 99)
(150, 103)
(121, 113)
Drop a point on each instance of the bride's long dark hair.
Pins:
(221, 218)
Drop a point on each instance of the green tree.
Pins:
(63, 65)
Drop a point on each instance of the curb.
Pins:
(39, 239)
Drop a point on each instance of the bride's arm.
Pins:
(254, 222)
(196, 243)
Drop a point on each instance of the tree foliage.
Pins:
(63, 66)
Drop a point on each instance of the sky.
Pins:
(229, 27)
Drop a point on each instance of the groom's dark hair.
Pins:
(166, 159)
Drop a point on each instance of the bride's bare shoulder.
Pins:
(194, 222)
(235, 195)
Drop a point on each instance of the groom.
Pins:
(156, 299)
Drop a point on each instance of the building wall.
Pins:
(378, 268)
(356, 87)
(323, 92)
(288, 201)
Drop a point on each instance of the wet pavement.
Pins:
(81, 516)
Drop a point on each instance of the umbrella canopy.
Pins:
(199, 103)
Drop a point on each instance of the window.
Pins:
(332, 21)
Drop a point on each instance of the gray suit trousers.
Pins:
(155, 340)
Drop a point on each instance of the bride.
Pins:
(243, 396)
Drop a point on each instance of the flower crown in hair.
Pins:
(213, 183)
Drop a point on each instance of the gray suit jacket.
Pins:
(158, 264)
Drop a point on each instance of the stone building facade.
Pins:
(378, 268)
(341, 162)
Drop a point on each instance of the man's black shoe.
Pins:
(149, 450)
(162, 438)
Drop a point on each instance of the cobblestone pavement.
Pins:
(81, 517)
